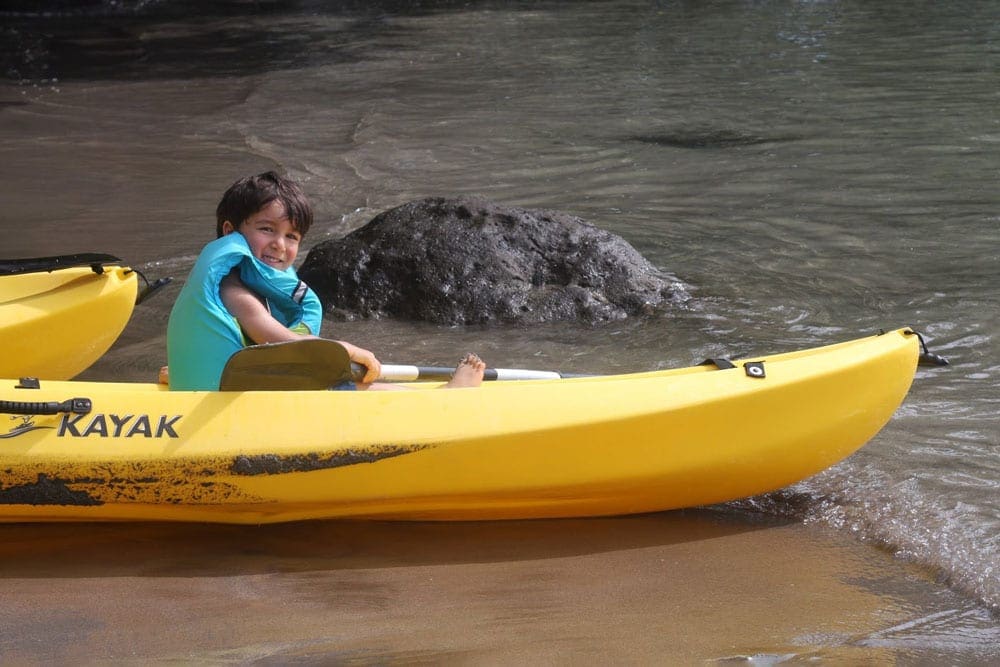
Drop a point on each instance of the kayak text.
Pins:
(118, 426)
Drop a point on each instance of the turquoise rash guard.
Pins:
(202, 334)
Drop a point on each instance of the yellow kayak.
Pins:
(58, 315)
(525, 449)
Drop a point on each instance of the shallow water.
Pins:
(815, 171)
(676, 587)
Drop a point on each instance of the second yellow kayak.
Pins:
(55, 323)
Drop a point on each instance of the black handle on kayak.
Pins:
(78, 406)
(927, 358)
(151, 288)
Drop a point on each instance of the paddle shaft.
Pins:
(405, 373)
(318, 363)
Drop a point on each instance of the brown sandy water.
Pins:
(681, 587)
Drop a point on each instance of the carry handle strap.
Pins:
(77, 406)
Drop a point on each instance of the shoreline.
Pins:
(686, 586)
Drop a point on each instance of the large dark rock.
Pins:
(471, 261)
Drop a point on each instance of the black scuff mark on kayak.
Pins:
(695, 138)
(150, 482)
(277, 464)
(46, 491)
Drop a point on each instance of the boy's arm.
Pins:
(258, 324)
(252, 314)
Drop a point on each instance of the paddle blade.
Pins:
(301, 365)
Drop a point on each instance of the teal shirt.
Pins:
(202, 334)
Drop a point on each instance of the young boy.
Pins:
(243, 290)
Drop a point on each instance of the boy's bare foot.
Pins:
(468, 373)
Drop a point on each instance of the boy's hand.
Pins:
(359, 355)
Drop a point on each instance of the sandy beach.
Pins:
(671, 588)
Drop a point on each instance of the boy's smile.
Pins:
(270, 234)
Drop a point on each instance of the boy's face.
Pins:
(270, 235)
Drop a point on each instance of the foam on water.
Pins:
(957, 541)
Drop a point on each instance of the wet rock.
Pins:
(472, 261)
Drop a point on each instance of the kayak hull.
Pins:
(507, 450)
(55, 324)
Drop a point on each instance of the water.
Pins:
(814, 171)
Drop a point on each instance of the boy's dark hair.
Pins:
(249, 195)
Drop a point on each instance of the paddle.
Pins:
(317, 363)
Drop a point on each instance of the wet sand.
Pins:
(680, 587)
